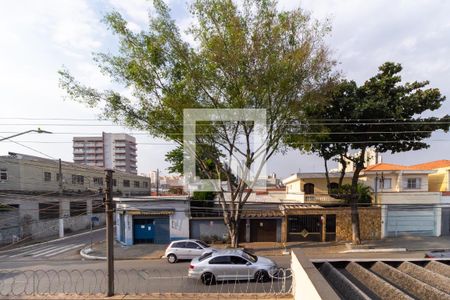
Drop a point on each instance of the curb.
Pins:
(375, 250)
(52, 241)
(85, 254)
(86, 250)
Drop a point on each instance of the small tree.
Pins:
(382, 114)
(250, 56)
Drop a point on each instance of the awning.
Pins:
(162, 212)
(261, 213)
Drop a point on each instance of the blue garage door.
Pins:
(410, 220)
(151, 230)
(162, 232)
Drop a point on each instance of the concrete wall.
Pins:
(28, 224)
(369, 217)
(409, 198)
(440, 181)
(200, 229)
(307, 282)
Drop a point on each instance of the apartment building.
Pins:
(115, 150)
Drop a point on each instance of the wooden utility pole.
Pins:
(157, 182)
(109, 207)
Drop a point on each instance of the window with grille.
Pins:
(48, 210)
(98, 206)
(413, 183)
(78, 208)
(3, 174)
(98, 180)
(145, 184)
(47, 176)
(78, 179)
(385, 184)
(126, 183)
(136, 184)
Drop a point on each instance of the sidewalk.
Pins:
(121, 252)
(410, 243)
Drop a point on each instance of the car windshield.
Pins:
(204, 256)
(203, 244)
(250, 257)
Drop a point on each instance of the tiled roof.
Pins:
(419, 167)
(443, 163)
(388, 167)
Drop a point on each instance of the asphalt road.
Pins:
(59, 249)
(131, 276)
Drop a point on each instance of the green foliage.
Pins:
(363, 192)
(245, 56)
(382, 113)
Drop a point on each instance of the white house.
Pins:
(156, 219)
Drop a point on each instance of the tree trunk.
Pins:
(354, 199)
(327, 175)
(343, 170)
(233, 231)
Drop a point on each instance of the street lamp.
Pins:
(39, 130)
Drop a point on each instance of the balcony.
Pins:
(323, 199)
(320, 199)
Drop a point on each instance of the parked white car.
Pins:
(186, 249)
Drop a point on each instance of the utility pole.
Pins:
(61, 210)
(150, 186)
(157, 182)
(376, 178)
(109, 231)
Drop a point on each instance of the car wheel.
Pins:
(261, 276)
(208, 278)
(172, 258)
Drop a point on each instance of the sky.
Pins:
(38, 38)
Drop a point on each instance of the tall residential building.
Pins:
(111, 150)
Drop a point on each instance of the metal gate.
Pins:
(304, 228)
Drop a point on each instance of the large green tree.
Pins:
(246, 56)
(343, 120)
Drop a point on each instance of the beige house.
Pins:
(312, 187)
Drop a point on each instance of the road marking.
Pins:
(25, 252)
(65, 249)
(45, 251)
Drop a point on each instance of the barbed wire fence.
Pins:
(86, 282)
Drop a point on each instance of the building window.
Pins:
(145, 184)
(308, 188)
(114, 182)
(413, 183)
(385, 183)
(78, 208)
(3, 174)
(78, 179)
(126, 183)
(47, 176)
(48, 210)
(98, 180)
(98, 206)
(136, 184)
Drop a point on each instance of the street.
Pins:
(57, 267)
(59, 249)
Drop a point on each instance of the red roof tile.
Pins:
(443, 163)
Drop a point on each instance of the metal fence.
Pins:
(136, 282)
